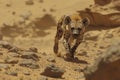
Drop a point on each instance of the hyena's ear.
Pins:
(86, 21)
(67, 20)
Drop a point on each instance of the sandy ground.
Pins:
(12, 14)
(17, 18)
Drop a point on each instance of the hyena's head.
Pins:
(76, 24)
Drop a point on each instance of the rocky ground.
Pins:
(27, 33)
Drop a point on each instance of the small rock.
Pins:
(92, 35)
(102, 47)
(53, 71)
(81, 77)
(29, 63)
(51, 59)
(4, 66)
(11, 61)
(99, 52)
(13, 73)
(26, 15)
(12, 54)
(6, 45)
(108, 35)
(33, 49)
(14, 49)
(78, 69)
(30, 55)
(26, 73)
(44, 54)
(29, 2)
(21, 21)
(95, 44)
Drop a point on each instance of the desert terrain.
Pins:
(28, 28)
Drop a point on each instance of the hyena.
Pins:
(71, 28)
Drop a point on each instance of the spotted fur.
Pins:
(71, 28)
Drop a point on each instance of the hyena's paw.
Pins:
(55, 48)
(72, 52)
(70, 55)
(59, 54)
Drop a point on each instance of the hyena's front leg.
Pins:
(66, 43)
(57, 38)
(77, 43)
(67, 46)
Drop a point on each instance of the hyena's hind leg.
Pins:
(57, 38)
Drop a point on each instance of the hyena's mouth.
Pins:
(75, 32)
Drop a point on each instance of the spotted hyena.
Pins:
(71, 28)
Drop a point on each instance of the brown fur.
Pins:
(65, 31)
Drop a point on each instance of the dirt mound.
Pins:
(102, 2)
(100, 21)
(116, 4)
(106, 67)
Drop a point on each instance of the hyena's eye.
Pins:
(72, 28)
(79, 29)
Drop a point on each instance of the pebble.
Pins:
(29, 63)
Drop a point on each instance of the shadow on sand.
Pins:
(75, 60)
(36, 28)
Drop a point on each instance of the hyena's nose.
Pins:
(76, 32)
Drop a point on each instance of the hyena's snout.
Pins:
(75, 31)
